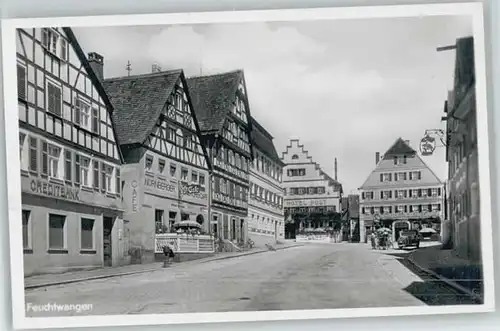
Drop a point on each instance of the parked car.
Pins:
(409, 238)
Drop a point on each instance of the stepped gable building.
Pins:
(266, 222)
(166, 169)
(312, 197)
(462, 156)
(401, 192)
(222, 108)
(72, 211)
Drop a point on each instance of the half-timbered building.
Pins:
(70, 161)
(166, 168)
(221, 105)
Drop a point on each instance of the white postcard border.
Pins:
(474, 10)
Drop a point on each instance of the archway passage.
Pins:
(200, 219)
(290, 230)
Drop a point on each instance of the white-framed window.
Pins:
(95, 120)
(400, 209)
(194, 177)
(54, 43)
(82, 113)
(161, 166)
(387, 177)
(415, 175)
(22, 140)
(82, 170)
(401, 176)
(435, 192)
(173, 169)
(87, 234)
(54, 98)
(184, 174)
(401, 194)
(27, 234)
(51, 155)
(436, 207)
(202, 183)
(148, 164)
(107, 177)
(57, 232)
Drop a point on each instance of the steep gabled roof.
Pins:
(96, 82)
(213, 97)
(263, 140)
(139, 101)
(400, 147)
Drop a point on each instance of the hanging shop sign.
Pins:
(427, 145)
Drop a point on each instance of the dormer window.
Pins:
(54, 43)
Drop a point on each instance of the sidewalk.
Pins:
(44, 280)
(461, 274)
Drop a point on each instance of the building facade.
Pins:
(166, 169)
(401, 192)
(266, 222)
(350, 217)
(312, 198)
(461, 154)
(221, 105)
(72, 212)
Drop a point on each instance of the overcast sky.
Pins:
(345, 88)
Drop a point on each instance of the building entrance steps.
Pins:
(43, 280)
(464, 275)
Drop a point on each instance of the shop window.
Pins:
(57, 232)
(26, 218)
(87, 241)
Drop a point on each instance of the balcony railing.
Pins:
(184, 243)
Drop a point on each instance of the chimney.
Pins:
(155, 68)
(377, 157)
(407, 142)
(97, 64)
(335, 169)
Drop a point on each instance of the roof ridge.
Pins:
(151, 74)
(216, 74)
(261, 128)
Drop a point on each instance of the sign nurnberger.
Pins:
(54, 190)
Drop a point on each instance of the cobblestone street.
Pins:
(321, 276)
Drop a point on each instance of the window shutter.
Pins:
(372, 194)
(77, 168)
(439, 191)
(21, 82)
(411, 176)
(419, 192)
(362, 210)
(439, 207)
(95, 170)
(381, 194)
(118, 180)
(411, 209)
(363, 195)
(68, 163)
(381, 177)
(396, 177)
(45, 37)
(33, 154)
(57, 100)
(404, 159)
(45, 160)
(390, 194)
(390, 177)
(419, 175)
(76, 117)
(429, 192)
(406, 209)
(404, 175)
(104, 184)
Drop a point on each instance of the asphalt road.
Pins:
(324, 276)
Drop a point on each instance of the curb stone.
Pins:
(448, 282)
(79, 280)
